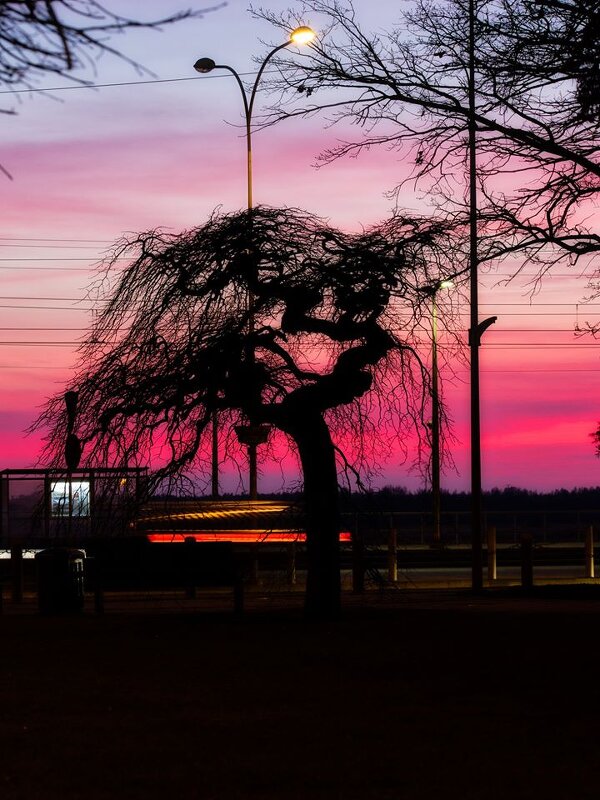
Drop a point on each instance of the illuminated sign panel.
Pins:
(70, 498)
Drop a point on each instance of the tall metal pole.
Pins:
(204, 65)
(474, 333)
(435, 425)
(215, 456)
(249, 106)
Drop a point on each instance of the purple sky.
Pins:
(92, 164)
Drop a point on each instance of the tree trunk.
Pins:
(317, 456)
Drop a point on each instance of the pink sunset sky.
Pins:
(89, 165)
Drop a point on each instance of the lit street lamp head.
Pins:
(302, 35)
(431, 289)
(299, 36)
(204, 65)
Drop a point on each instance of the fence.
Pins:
(416, 528)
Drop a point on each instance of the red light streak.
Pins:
(242, 536)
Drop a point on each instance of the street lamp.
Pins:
(250, 435)
(431, 291)
(477, 328)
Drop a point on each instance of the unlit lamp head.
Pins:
(204, 65)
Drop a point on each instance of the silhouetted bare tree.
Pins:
(270, 316)
(537, 66)
(58, 37)
(55, 37)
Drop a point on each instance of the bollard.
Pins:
(60, 580)
(291, 564)
(527, 561)
(358, 564)
(16, 563)
(589, 552)
(491, 553)
(392, 555)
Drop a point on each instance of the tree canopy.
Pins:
(270, 316)
(537, 67)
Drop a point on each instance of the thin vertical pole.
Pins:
(16, 565)
(476, 504)
(392, 555)
(253, 471)
(527, 561)
(291, 563)
(252, 446)
(215, 456)
(589, 552)
(435, 424)
(491, 552)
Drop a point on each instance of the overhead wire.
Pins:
(112, 84)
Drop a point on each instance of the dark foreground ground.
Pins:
(411, 695)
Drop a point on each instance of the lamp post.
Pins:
(431, 291)
(477, 328)
(250, 435)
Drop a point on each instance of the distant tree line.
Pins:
(397, 499)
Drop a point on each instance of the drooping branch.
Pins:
(172, 344)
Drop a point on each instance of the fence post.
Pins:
(491, 553)
(238, 597)
(527, 561)
(358, 563)
(392, 555)
(291, 563)
(254, 569)
(589, 552)
(16, 563)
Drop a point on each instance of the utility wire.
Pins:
(68, 258)
(148, 82)
(29, 239)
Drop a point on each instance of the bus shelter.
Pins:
(51, 506)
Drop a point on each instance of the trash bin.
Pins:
(60, 580)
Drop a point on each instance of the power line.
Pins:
(43, 329)
(50, 246)
(58, 299)
(529, 371)
(538, 346)
(533, 305)
(46, 308)
(48, 269)
(68, 258)
(29, 239)
(39, 344)
(121, 83)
